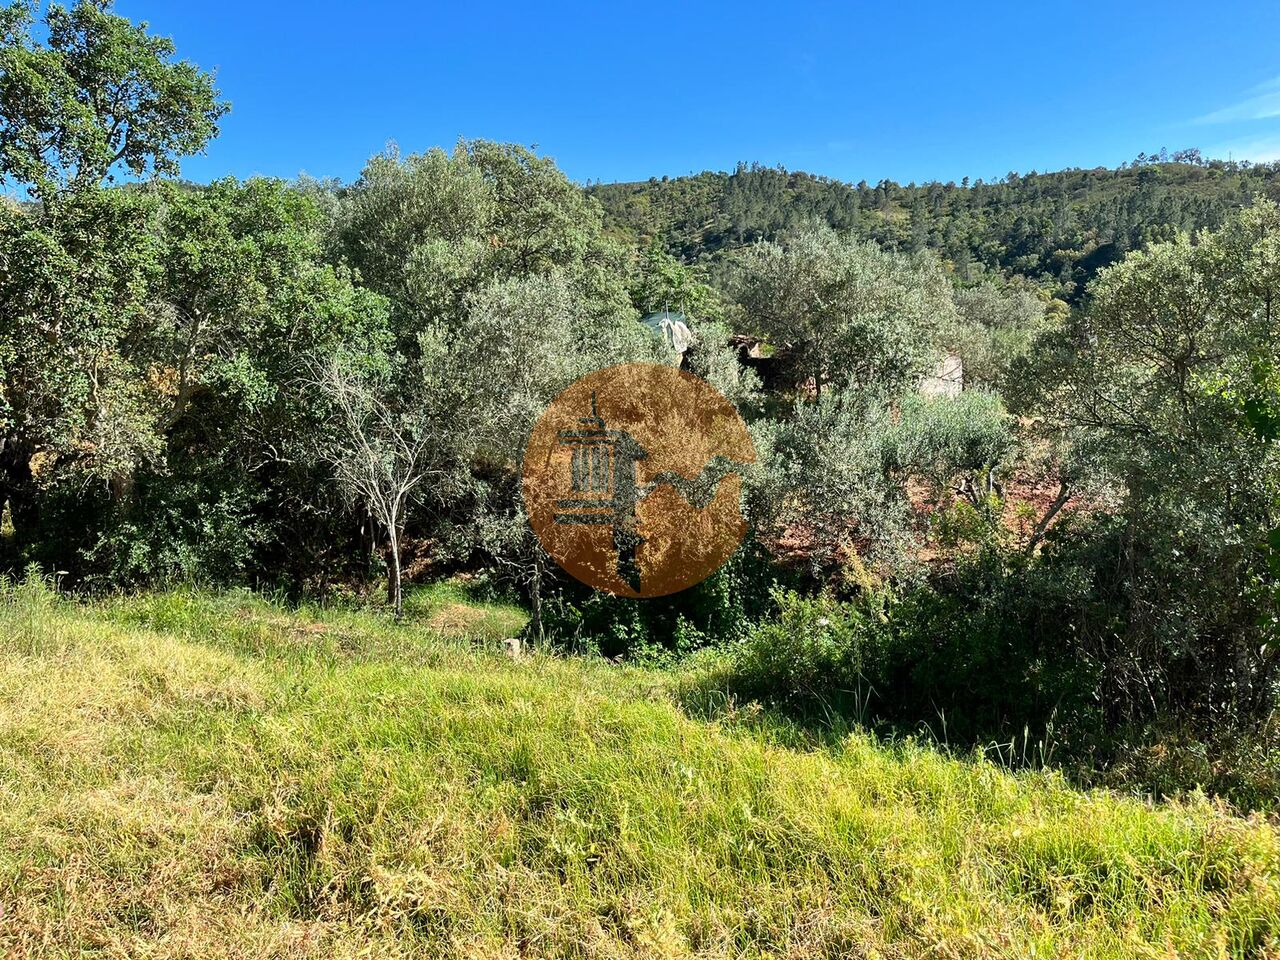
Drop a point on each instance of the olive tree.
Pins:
(822, 479)
(522, 341)
(430, 230)
(846, 312)
(836, 474)
(1154, 392)
(995, 327)
(942, 440)
(390, 448)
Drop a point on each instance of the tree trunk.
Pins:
(535, 603)
(1041, 528)
(395, 586)
(17, 485)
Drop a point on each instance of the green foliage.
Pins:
(525, 339)
(837, 470)
(1165, 758)
(150, 333)
(264, 383)
(1058, 228)
(521, 342)
(814, 653)
(202, 523)
(713, 358)
(98, 92)
(430, 230)
(996, 328)
(666, 283)
(1144, 389)
(843, 312)
(716, 611)
(986, 653)
(74, 289)
(938, 438)
(824, 471)
(503, 290)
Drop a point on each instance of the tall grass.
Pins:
(185, 775)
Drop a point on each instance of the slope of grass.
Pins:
(183, 775)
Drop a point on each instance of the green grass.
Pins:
(184, 775)
(453, 608)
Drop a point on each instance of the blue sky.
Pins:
(909, 91)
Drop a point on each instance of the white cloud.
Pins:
(1262, 105)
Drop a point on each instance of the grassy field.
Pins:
(194, 776)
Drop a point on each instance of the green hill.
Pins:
(190, 776)
(1059, 227)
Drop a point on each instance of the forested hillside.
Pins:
(1057, 227)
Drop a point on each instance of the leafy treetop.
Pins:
(97, 92)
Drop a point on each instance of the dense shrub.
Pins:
(982, 653)
(814, 650)
(988, 650)
(180, 531)
(720, 609)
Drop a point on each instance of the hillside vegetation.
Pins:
(1059, 227)
(199, 775)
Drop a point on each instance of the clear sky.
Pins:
(909, 91)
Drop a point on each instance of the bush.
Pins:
(719, 610)
(1179, 625)
(816, 649)
(1168, 759)
(988, 651)
(179, 528)
(983, 652)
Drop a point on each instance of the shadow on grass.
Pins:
(1162, 761)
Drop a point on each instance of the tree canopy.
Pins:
(99, 93)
